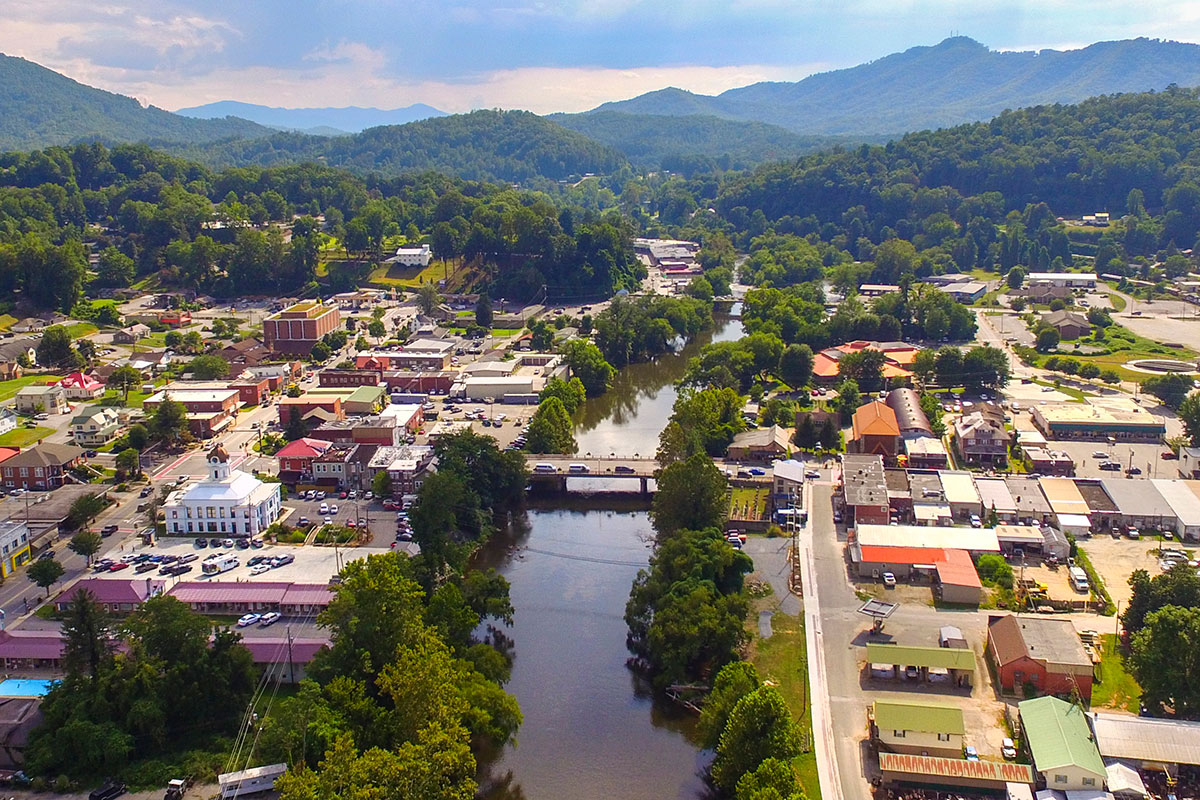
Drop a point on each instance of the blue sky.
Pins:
(536, 54)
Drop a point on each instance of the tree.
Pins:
(589, 365)
(985, 367)
(381, 484)
(169, 422)
(1189, 415)
(848, 399)
(1170, 389)
(773, 779)
(760, 727)
(320, 352)
(427, 298)
(208, 368)
(376, 329)
(1016, 276)
(296, 428)
(137, 437)
(54, 350)
(86, 349)
(84, 509)
(122, 379)
(173, 340)
(129, 462)
(735, 680)
(550, 429)
(86, 544)
(795, 365)
(924, 366)
(87, 642)
(1165, 658)
(1047, 340)
(114, 268)
(45, 572)
(193, 342)
(1089, 370)
(1178, 586)
(571, 393)
(691, 494)
(483, 311)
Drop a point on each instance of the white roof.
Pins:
(502, 367)
(979, 540)
(927, 512)
(240, 487)
(510, 380)
(959, 487)
(1139, 498)
(994, 493)
(1020, 534)
(1124, 779)
(401, 411)
(1058, 276)
(1181, 499)
(1166, 741)
(1074, 520)
(194, 395)
(789, 470)
(430, 345)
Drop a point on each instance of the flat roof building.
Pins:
(298, 327)
(864, 488)
(1098, 419)
(1139, 503)
(973, 540)
(1147, 743)
(959, 489)
(1184, 503)
(1032, 507)
(1069, 507)
(995, 496)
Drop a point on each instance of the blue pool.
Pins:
(24, 687)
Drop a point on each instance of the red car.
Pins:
(390, 505)
(120, 565)
(342, 495)
(1170, 455)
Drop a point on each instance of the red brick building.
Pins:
(300, 326)
(423, 382)
(1046, 653)
(253, 391)
(337, 378)
(41, 467)
(875, 430)
(304, 404)
(296, 458)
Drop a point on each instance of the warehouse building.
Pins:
(1147, 743)
(1113, 418)
(1184, 503)
(1139, 504)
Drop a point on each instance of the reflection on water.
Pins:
(591, 729)
(628, 418)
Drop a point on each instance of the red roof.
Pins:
(875, 419)
(958, 570)
(31, 644)
(824, 366)
(307, 594)
(304, 447)
(883, 554)
(275, 651)
(997, 771)
(83, 381)
(112, 590)
(229, 591)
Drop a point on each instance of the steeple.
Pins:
(218, 464)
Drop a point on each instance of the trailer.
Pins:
(248, 782)
(215, 566)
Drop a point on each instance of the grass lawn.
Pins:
(112, 397)
(783, 660)
(747, 503)
(23, 437)
(1135, 347)
(7, 321)
(984, 275)
(9, 389)
(153, 340)
(1118, 302)
(80, 329)
(1069, 391)
(1117, 688)
(497, 332)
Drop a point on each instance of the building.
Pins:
(304, 406)
(950, 571)
(875, 430)
(1060, 741)
(1147, 743)
(26, 651)
(1184, 499)
(94, 426)
(1042, 652)
(41, 467)
(284, 660)
(131, 334)
(500, 388)
(403, 360)
(995, 496)
(1001, 778)
(229, 501)
(8, 420)
(1032, 506)
(243, 597)
(975, 541)
(959, 490)
(922, 728)
(1071, 280)
(788, 477)
(897, 357)
(365, 400)
(1099, 418)
(209, 411)
(1139, 504)
(348, 378)
(864, 489)
(889, 660)
(925, 452)
(761, 444)
(1067, 504)
(248, 352)
(910, 418)
(1043, 293)
(981, 436)
(297, 328)
(406, 467)
(14, 546)
(42, 399)
(1044, 461)
(78, 386)
(417, 256)
(296, 458)
(966, 292)
(929, 504)
(115, 596)
(877, 289)
(1189, 462)
(252, 391)
(1068, 324)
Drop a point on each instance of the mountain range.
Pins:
(956, 81)
(317, 121)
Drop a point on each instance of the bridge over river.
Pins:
(615, 467)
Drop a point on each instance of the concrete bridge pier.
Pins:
(645, 485)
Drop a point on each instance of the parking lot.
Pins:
(1116, 559)
(380, 523)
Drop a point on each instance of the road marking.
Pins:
(172, 465)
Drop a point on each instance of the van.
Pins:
(544, 467)
(1078, 579)
(577, 468)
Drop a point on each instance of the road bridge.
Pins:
(555, 469)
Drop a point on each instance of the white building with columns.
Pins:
(227, 502)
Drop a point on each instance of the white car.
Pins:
(324, 508)
(270, 618)
(246, 620)
(333, 509)
(889, 579)
(259, 569)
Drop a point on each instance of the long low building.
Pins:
(1147, 743)
(1184, 499)
(1098, 419)
(1139, 503)
(232, 597)
(973, 540)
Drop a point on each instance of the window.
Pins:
(943, 737)
(1060, 778)
(898, 734)
(1089, 781)
(1018, 675)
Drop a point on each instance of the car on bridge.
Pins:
(624, 469)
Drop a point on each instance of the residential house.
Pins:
(1068, 324)
(131, 334)
(41, 399)
(761, 444)
(927, 728)
(875, 430)
(248, 352)
(1063, 747)
(94, 426)
(42, 467)
(1044, 653)
(12, 353)
(981, 436)
(78, 386)
(296, 457)
(8, 420)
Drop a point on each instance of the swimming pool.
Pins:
(24, 687)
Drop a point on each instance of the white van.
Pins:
(544, 467)
(577, 468)
(1078, 579)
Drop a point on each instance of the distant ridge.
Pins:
(319, 121)
(956, 81)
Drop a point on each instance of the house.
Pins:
(761, 444)
(926, 728)
(284, 660)
(406, 466)
(1042, 652)
(41, 399)
(248, 352)
(8, 420)
(417, 256)
(1062, 745)
(296, 457)
(41, 467)
(297, 328)
(981, 436)
(95, 425)
(875, 430)
(15, 351)
(78, 386)
(29, 325)
(131, 334)
(228, 501)
(114, 596)
(1068, 324)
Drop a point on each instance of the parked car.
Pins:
(889, 580)
(1169, 455)
(120, 565)
(259, 569)
(976, 522)
(269, 618)
(108, 530)
(286, 558)
(110, 789)
(201, 543)
(149, 490)
(972, 753)
(246, 620)
(324, 509)
(1134, 471)
(1110, 466)
(147, 566)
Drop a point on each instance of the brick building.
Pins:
(298, 327)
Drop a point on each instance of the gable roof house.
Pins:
(1044, 653)
(1062, 745)
(1068, 324)
(921, 728)
(875, 430)
(41, 467)
(981, 436)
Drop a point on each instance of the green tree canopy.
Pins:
(692, 494)
(550, 429)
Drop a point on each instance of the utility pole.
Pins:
(291, 661)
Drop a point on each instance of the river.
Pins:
(592, 731)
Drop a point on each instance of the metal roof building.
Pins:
(1184, 504)
(909, 416)
(1147, 742)
(1061, 743)
(973, 540)
(994, 494)
(1139, 503)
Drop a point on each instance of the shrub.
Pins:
(994, 571)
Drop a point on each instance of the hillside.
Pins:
(685, 143)
(956, 81)
(39, 107)
(319, 121)
(483, 145)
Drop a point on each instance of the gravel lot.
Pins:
(1116, 559)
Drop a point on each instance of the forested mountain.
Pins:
(956, 81)
(320, 121)
(483, 145)
(39, 107)
(693, 143)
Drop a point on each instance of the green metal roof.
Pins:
(906, 656)
(1058, 735)
(907, 715)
